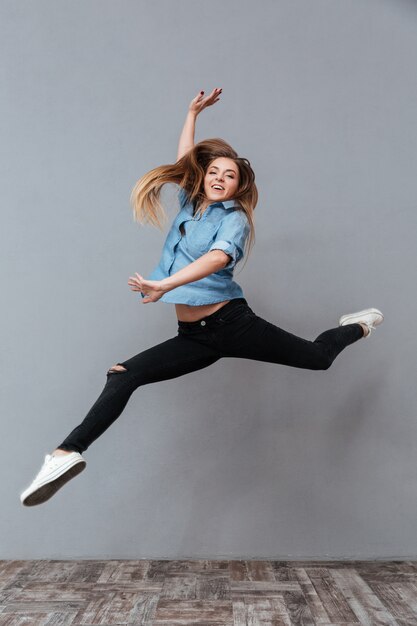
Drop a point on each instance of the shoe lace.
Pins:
(52, 461)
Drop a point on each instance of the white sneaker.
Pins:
(54, 473)
(371, 317)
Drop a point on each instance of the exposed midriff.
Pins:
(187, 313)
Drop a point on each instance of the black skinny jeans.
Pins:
(234, 330)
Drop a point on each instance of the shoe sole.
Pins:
(47, 490)
(351, 317)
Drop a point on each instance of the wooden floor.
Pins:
(209, 593)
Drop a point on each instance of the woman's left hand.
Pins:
(153, 289)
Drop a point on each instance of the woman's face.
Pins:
(222, 172)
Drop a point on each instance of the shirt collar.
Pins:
(226, 204)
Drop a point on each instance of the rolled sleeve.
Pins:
(231, 237)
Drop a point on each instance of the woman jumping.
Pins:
(208, 237)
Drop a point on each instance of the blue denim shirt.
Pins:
(221, 227)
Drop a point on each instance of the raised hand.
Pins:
(200, 102)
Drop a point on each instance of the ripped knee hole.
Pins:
(117, 369)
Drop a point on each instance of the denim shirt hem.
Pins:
(200, 302)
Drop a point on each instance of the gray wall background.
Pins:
(243, 459)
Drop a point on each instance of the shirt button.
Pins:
(203, 323)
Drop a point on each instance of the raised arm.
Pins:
(186, 141)
(196, 105)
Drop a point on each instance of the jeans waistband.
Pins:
(214, 316)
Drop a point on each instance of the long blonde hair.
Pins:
(188, 172)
